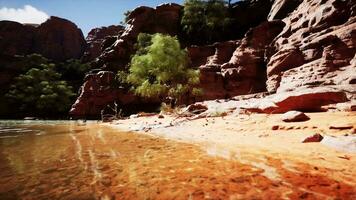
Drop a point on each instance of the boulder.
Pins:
(294, 116)
(313, 138)
(304, 99)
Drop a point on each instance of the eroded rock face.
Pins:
(306, 44)
(57, 39)
(97, 92)
(317, 46)
(97, 40)
(235, 67)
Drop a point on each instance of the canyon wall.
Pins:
(57, 39)
(284, 46)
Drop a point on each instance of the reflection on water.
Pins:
(68, 160)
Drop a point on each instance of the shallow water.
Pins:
(71, 160)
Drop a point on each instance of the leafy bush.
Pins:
(160, 68)
(204, 21)
(40, 92)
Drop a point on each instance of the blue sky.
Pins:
(86, 14)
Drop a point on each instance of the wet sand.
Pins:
(300, 170)
(97, 161)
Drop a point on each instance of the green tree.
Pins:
(73, 69)
(160, 68)
(126, 18)
(40, 92)
(205, 21)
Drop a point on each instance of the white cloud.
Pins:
(27, 14)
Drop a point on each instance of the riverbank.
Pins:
(267, 143)
(231, 157)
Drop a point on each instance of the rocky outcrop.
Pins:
(99, 91)
(57, 39)
(302, 99)
(98, 39)
(165, 18)
(235, 67)
(317, 46)
(304, 47)
(117, 51)
(162, 19)
(209, 60)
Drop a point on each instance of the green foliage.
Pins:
(144, 41)
(160, 68)
(73, 69)
(126, 19)
(202, 21)
(40, 91)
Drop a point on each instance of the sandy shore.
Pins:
(235, 157)
(250, 139)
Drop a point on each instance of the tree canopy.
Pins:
(203, 20)
(40, 92)
(160, 68)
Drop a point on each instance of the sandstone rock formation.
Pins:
(57, 39)
(316, 47)
(235, 67)
(303, 47)
(99, 91)
(97, 40)
(302, 99)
